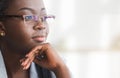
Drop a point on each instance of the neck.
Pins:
(11, 60)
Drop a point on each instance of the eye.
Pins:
(28, 17)
(31, 17)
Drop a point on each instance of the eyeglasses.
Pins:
(30, 19)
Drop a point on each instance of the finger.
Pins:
(24, 63)
(34, 51)
(38, 62)
(21, 60)
(39, 54)
(27, 66)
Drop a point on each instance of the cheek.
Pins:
(18, 36)
(16, 29)
(19, 40)
(18, 33)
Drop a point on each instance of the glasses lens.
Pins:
(35, 20)
(31, 19)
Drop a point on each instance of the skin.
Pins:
(18, 47)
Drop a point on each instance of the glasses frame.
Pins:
(35, 18)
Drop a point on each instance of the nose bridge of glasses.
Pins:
(38, 19)
(40, 22)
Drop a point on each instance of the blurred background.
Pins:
(86, 33)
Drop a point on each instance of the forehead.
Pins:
(17, 5)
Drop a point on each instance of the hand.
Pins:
(43, 55)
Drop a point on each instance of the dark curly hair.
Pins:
(3, 6)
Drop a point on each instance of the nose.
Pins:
(39, 26)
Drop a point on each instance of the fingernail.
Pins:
(22, 63)
(24, 68)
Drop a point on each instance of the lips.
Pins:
(39, 38)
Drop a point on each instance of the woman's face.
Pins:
(20, 35)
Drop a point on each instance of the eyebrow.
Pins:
(42, 9)
(25, 8)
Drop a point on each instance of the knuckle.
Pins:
(47, 44)
(54, 65)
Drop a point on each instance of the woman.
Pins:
(23, 32)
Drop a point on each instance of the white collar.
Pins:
(3, 73)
